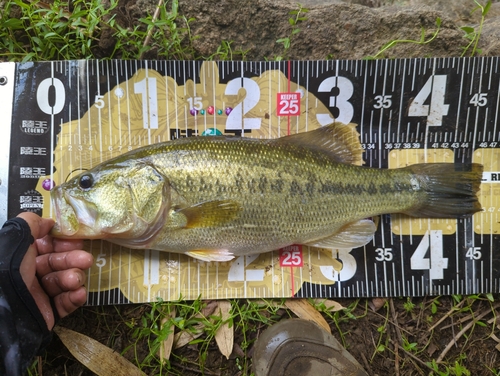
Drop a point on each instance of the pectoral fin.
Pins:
(218, 255)
(206, 214)
(353, 235)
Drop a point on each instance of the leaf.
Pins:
(377, 303)
(330, 305)
(168, 343)
(224, 337)
(486, 8)
(467, 29)
(98, 358)
(304, 310)
(185, 337)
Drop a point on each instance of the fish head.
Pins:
(127, 200)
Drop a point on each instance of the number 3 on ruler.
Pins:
(339, 101)
(348, 266)
(436, 88)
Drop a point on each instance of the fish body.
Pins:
(218, 197)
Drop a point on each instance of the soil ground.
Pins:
(372, 330)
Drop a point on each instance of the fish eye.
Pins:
(86, 181)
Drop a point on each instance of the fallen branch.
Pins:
(446, 315)
(467, 327)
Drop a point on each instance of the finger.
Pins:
(47, 244)
(53, 262)
(64, 245)
(63, 281)
(68, 302)
(39, 226)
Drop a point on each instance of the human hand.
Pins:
(53, 269)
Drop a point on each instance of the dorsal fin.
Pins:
(339, 141)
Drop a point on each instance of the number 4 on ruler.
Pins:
(436, 88)
(435, 263)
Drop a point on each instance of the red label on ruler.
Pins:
(288, 104)
(291, 256)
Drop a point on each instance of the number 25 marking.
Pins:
(291, 256)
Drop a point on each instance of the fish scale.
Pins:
(390, 100)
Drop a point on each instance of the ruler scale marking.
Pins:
(403, 78)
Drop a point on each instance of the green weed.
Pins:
(37, 31)
(168, 33)
(409, 306)
(294, 21)
(49, 31)
(421, 41)
(225, 52)
(471, 33)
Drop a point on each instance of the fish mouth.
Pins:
(62, 212)
(73, 217)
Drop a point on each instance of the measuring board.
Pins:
(68, 116)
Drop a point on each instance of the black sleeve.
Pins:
(23, 330)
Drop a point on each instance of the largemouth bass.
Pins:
(218, 197)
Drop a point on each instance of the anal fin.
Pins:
(352, 235)
(218, 255)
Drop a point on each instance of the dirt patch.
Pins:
(401, 337)
(337, 30)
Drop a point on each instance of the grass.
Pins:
(405, 333)
(49, 31)
(456, 338)
(423, 40)
(297, 17)
(471, 33)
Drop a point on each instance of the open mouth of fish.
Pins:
(70, 214)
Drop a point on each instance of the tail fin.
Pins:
(451, 189)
